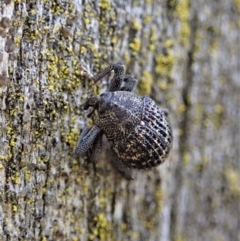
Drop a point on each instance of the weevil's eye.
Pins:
(102, 105)
(104, 95)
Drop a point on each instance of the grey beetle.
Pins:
(137, 129)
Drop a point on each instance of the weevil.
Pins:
(137, 129)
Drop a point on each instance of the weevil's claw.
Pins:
(89, 115)
(84, 72)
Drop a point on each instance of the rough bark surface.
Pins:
(185, 55)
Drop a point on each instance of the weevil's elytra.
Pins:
(137, 129)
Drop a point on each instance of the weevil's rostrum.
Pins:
(137, 129)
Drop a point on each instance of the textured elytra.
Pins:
(137, 129)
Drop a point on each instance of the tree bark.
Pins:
(185, 55)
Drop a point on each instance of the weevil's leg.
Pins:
(83, 133)
(117, 79)
(165, 111)
(84, 72)
(122, 168)
(86, 139)
(91, 102)
(129, 83)
(96, 149)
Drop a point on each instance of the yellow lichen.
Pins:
(218, 109)
(147, 19)
(72, 137)
(135, 45)
(181, 108)
(103, 226)
(16, 178)
(105, 4)
(159, 195)
(12, 142)
(180, 238)
(165, 63)
(145, 83)
(168, 43)
(4, 158)
(27, 175)
(237, 4)
(46, 28)
(233, 179)
(153, 38)
(114, 40)
(182, 10)
(136, 25)
(186, 158)
(15, 208)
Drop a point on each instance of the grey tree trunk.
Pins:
(185, 55)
